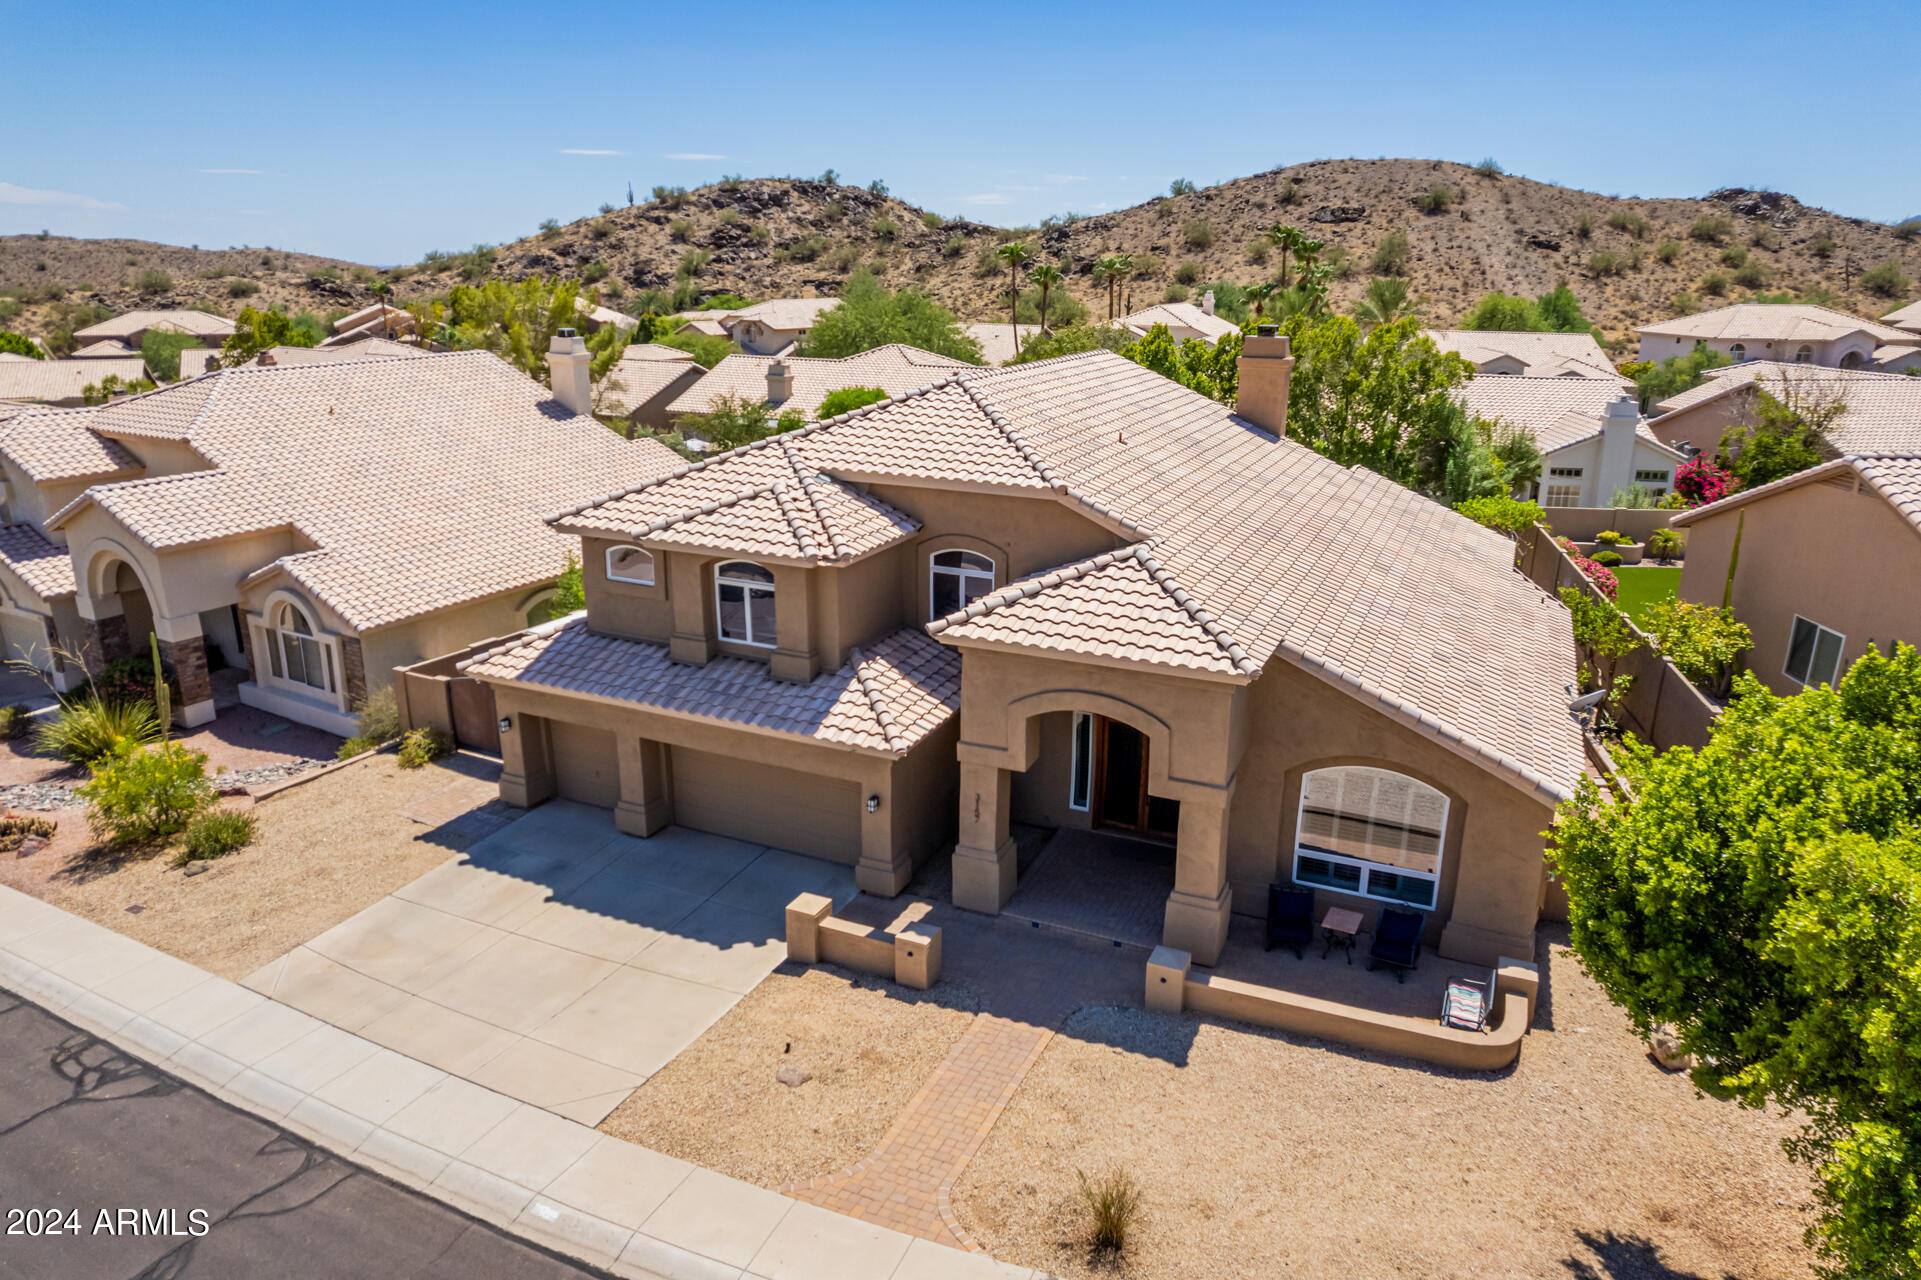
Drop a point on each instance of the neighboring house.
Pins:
(1898, 359)
(1829, 561)
(1537, 355)
(643, 382)
(196, 361)
(802, 382)
(62, 382)
(710, 324)
(1907, 319)
(1184, 320)
(132, 328)
(380, 320)
(315, 524)
(1589, 431)
(1066, 593)
(1882, 413)
(1000, 342)
(593, 316)
(1791, 333)
(106, 349)
(777, 326)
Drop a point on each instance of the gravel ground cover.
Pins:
(866, 1045)
(1264, 1156)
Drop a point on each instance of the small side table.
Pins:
(1338, 928)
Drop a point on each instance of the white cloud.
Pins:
(586, 151)
(985, 197)
(226, 171)
(692, 155)
(10, 194)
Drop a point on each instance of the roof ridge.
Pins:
(1026, 588)
(1165, 580)
(1032, 457)
(706, 508)
(799, 527)
(875, 703)
(808, 484)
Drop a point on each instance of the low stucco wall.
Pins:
(1582, 523)
(911, 957)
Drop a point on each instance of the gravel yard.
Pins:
(867, 1044)
(1261, 1156)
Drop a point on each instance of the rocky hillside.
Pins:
(1625, 258)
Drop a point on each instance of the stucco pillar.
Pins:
(795, 657)
(1197, 910)
(183, 651)
(646, 804)
(526, 762)
(691, 590)
(984, 861)
(884, 867)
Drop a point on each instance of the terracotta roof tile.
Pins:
(55, 444)
(46, 568)
(53, 380)
(895, 369)
(1540, 354)
(1177, 316)
(1772, 322)
(198, 323)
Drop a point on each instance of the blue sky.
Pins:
(376, 132)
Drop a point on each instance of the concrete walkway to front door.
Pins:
(558, 961)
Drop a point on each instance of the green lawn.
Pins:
(1646, 584)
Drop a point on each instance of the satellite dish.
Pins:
(1587, 700)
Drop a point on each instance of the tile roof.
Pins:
(998, 341)
(55, 444)
(14, 356)
(713, 328)
(198, 323)
(360, 348)
(195, 361)
(653, 351)
(605, 315)
(1895, 476)
(54, 380)
(1540, 354)
(1908, 318)
(105, 349)
(44, 567)
(1556, 411)
(884, 700)
(1883, 413)
(420, 484)
(634, 380)
(784, 313)
(1772, 322)
(895, 368)
(1253, 547)
(1179, 315)
(1893, 358)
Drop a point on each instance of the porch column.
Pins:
(645, 803)
(526, 762)
(1197, 910)
(884, 867)
(984, 863)
(104, 624)
(183, 650)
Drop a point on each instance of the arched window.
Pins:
(1738, 352)
(296, 655)
(1805, 355)
(1852, 360)
(1371, 832)
(956, 578)
(744, 596)
(630, 564)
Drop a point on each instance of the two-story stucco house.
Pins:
(1790, 333)
(1067, 593)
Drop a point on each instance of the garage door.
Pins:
(585, 767)
(767, 805)
(25, 640)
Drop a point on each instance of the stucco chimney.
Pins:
(1207, 302)
(1264, 371)
(568, 368)
(780, 382)
(1619, 424)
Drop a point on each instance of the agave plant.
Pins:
(85, 729)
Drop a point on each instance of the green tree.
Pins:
(1657, 382)
(162, 350)
(20, 345)
(1785, 432)
(1287, 239)
(1703, 641)
(1213, 369)
(517, 320)
(730, 422)
(254, 332)
(1073, 339)
(1385, 301)
(1046, 278)
(1258, 294)
(1602, 630)
(846, 400)
(869, 316)
(1016, 255)
(1502, 514)
(1758, 896)
(1556, 311)
(707, 349)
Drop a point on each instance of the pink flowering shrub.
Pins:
(1599, 574)
(1701, 480)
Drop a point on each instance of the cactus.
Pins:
(162, 696)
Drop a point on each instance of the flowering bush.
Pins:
(1599, 574)
(1701, 480)
(130, 680)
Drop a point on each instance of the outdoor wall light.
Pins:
(506, 723)
(873, 804)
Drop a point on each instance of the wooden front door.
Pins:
(1120, 783)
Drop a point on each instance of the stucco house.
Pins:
(802, 382)
(1907, 319)
(777, 326)
(1184, 320)
(1589, 430)
(1537, 355)
(1829, 561)
(315, 524)
(999, 341)
(380, 319)
(64, 382)
(1067, 593)
(1881, 413)
(1790, 333)
(132, 328)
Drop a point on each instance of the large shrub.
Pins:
(215, 834)
(848, 399)
(1704, 641)
(1505, 515)
(423, 746)
(1702, 480)
(145, 793)
(86, 728)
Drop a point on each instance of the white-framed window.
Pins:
(1080, 777)
(1563, 487)
(1805, 355)
(1371, 832)
(744, 600)
(1814, 653)
(1738, 352)
(1654, 481)
(955, 579)
(295, 654)
(630, 564)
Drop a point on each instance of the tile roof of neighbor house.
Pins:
(636, 379)
(1907, 318)
(784, 314)
(1540, 354)
(362, 348)
(1179, 315)
(606, 315)
(54, 444)
(1241, 547)
(653, 351)
(1895, 357)
(45, 568)
(1895, 476)
(51, 380)
(419, 484)
(195, 361)
(198, 323)
(105, 349)
(895, 369)
(1556, 411)
(999, 342)
(884, 700)
(1883, 413)
(1772, 322)
(711, 328)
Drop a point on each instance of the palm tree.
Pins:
(1046, 276)
(1258, 294)
(1385, 302)
(1109, 271)
(1287, 240)
(1015, 255)
(1299, 300)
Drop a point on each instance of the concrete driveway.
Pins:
(557, 960)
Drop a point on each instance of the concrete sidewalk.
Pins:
(542, 1176)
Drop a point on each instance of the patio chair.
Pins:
(1466, 1002)
(1397, 942)
(1290, 918)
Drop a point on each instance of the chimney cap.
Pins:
(1267, 330)
(566, 333)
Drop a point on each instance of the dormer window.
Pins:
(955, 579)
(630, 564)
(744, 600)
